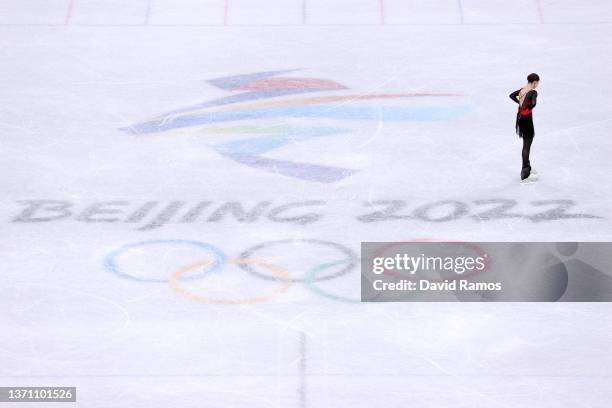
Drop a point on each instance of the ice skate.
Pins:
(531, 179)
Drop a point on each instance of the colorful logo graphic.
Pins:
(263, 115)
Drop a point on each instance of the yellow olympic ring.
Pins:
(281, 273)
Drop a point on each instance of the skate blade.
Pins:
(529, 180)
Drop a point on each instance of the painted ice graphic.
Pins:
(266, 95)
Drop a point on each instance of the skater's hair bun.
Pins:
(533, 78)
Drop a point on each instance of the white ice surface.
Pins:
(72, 73)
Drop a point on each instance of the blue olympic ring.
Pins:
(110, 262)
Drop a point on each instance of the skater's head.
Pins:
(533, 80)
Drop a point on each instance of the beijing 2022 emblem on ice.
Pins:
(257, 117)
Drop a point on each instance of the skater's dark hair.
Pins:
(533, 78)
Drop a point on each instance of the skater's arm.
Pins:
(531, 99)
(534, 99)
(514, 96)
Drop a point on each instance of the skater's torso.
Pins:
(526, 98)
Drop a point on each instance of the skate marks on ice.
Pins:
(40, 313)
(273, 270)
(155, 214)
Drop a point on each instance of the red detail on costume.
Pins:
(524, 111)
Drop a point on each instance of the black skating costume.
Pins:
(524, 125)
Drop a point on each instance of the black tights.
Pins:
(526, 164)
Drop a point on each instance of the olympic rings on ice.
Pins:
(311, 279)
(351, 258)
(112, 265)
(281, 274)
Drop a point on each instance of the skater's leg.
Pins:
(526, 149)
(526, 170)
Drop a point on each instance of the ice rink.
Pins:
(185, 185)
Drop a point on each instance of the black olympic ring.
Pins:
(351, 258)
